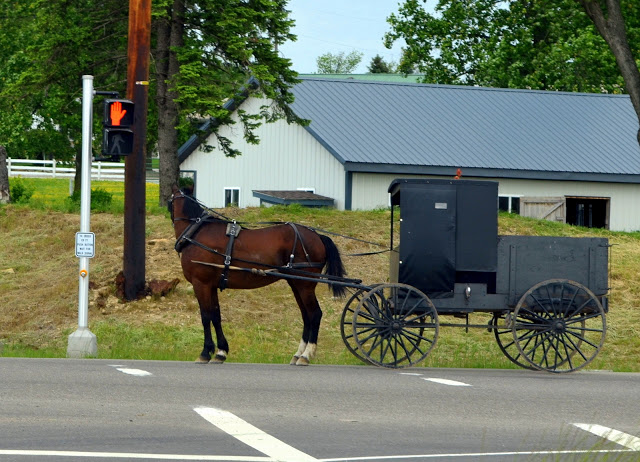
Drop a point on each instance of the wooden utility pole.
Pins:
(135, 173)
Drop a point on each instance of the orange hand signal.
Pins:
(117, 113)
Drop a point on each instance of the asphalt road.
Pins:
(59, 410)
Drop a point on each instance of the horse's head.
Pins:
(183, 206)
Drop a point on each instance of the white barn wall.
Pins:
(370, 191)
(287, 158)
(624, 204)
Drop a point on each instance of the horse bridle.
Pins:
(206, 211)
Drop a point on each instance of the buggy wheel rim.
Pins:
(559, 326)
(395, 326)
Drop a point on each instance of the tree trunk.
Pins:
(613, 31)
(169, 37)
(5, 195)
(77, 179)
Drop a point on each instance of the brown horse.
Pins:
(214, 259)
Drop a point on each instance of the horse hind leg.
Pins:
(311, 316)
(312, 345)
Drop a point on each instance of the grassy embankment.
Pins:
(39, 288)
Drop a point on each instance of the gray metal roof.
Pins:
(418, 128)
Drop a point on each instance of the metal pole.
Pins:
(135, 174)
(83, 342)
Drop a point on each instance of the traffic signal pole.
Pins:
(135, 173)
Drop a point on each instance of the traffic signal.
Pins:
(117, 121)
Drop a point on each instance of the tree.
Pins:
(380, 66)
(610, 22)
(5, 195)
(339, 63)
(46, 47)
(541, 44)
(207, 52)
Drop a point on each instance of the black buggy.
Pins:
(546, 296)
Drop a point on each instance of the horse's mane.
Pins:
(191, 207)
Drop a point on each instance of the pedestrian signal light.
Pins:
(117, 122)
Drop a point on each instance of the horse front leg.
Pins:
(216, 319)
(207, 296)
(209, 345)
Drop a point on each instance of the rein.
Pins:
(208, 212)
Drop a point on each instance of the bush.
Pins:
(100, 200)
(20, 192)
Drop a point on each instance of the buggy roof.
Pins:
(397, 185)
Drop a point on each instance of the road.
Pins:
(63, 409)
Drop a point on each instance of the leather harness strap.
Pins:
(233, 229)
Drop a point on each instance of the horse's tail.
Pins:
(333, 265)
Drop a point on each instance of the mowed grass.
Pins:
(39, 288)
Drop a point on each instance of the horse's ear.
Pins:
(174, 188)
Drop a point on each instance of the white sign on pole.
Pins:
(85, 245)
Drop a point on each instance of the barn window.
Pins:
(231, 197)
(509, 204)
(592, 212)
(187, 178)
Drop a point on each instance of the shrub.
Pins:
(100, 200)
(20, 192)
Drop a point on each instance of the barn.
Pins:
(570, 157)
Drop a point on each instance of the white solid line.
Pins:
(453, 383)
(475, 455)
(253, 436)
(621, 438)
(125, 455)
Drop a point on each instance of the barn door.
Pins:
(545, 208)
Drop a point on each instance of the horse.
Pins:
(215, 254)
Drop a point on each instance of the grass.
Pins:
(39, 288)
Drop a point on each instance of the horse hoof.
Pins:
(294, 360)
(202, 360)
(302, 361)
(218, 359)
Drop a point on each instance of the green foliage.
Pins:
(338, 63)
(20, 191)
(380, 66)
(101, 200)
(545, 45)
(224, 44)
(45, 48)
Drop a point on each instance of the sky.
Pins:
(334, 26)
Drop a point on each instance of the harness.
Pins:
(233, 229)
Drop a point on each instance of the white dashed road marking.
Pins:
(136, 372)
(452, 383)
(252, 436)
(621, 438)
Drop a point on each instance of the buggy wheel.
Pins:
(502, 323)
(395, 325)
(346, 323)
(559, 326)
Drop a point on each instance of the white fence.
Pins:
(56, 169)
